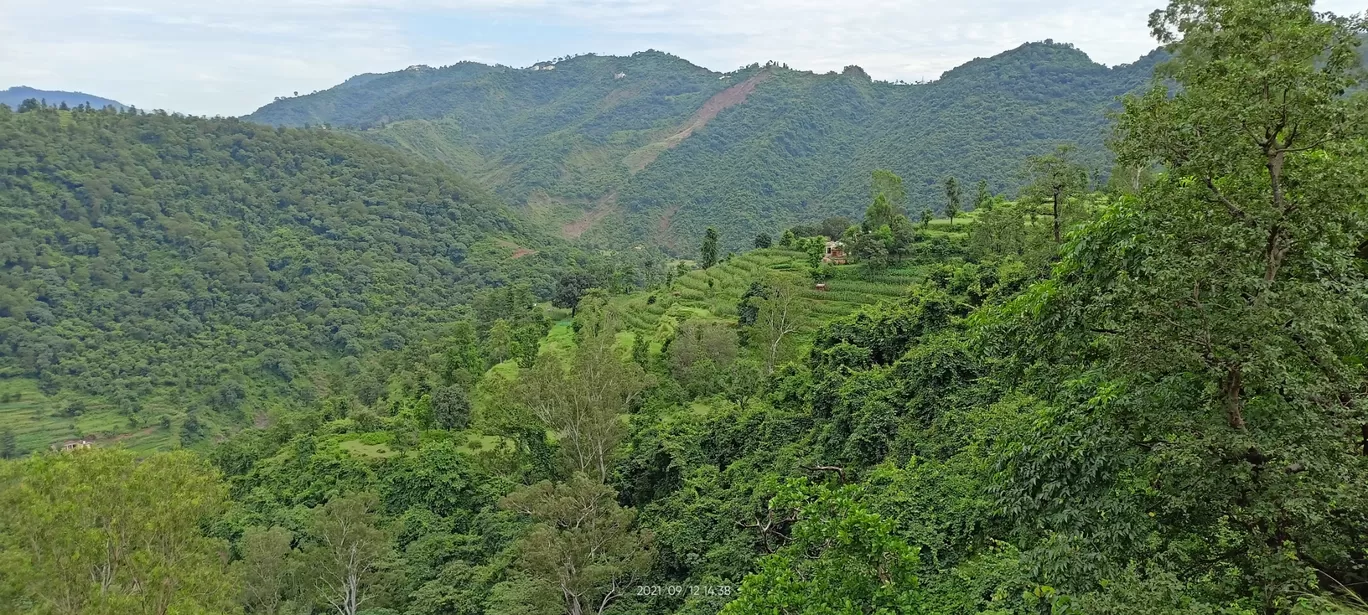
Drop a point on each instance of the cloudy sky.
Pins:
(228, 57)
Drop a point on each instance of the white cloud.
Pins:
(231, 56)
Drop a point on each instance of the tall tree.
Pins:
(104, 531)
(266, 568)
(570, 288)
(347, 551)
(879, 214)
(499, 342)
(1055, 178)
(763, 240)
(952, 199)
(781, 310)
(983, 199)
(583, 402)
(708, 252)
(583, 548)
(1220, 310)
(890, 186)
(464, 362)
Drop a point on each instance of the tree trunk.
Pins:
(1056, 218)
(1231, 389)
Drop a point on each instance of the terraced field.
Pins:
(36, 425)
(715, 292)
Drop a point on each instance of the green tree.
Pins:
(451, 407)
(841, 558)
(779, 316)
(192, 430)
(835, 227)
(527, 339)
(347, 551)
(815, 250)
(106, 531)
(464, 360)
(700, 353)
(582, 402)
(763, 241)
(787, 239)
(889, 186)
(952, 199)
(570, 288)
(926, 217)
(708, 252)
(1222, 306)
(1055, 178)
(266, 568)
(641, 350)
(583, 547)
(983, 199)
(499, 342)
(879, 214)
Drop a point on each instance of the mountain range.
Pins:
(651, 148)
(15, 96)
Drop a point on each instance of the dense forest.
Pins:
(217, 261)
(651, 148)
(1143, 397)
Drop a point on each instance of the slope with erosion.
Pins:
(803, 146)
(562, 128)
(759, 149)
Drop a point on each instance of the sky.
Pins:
(229, 57)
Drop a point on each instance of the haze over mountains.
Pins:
(15, 96)
(653, 148)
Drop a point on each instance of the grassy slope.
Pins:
(38, 421)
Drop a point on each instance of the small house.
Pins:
(71, 445)
(835, 253)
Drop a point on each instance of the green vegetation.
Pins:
(1145, 400)
(159, 264)
(668, 149)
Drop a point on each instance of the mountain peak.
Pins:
(1025, 59)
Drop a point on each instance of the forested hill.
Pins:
(215, 260)
(650, 147)
(16, 96)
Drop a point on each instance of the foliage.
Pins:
(800, 145)
(842, 558)
(157, 254)
(708, 253)
(347, 551)
(581, 402)
(101, 531)
(582, 548)
(1055, 178)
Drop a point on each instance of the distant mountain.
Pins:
(15, 96)
(652, 148)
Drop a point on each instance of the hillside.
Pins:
(16, 96)
(652, 148)
(155, 265)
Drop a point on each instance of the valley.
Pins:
(623, 335)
